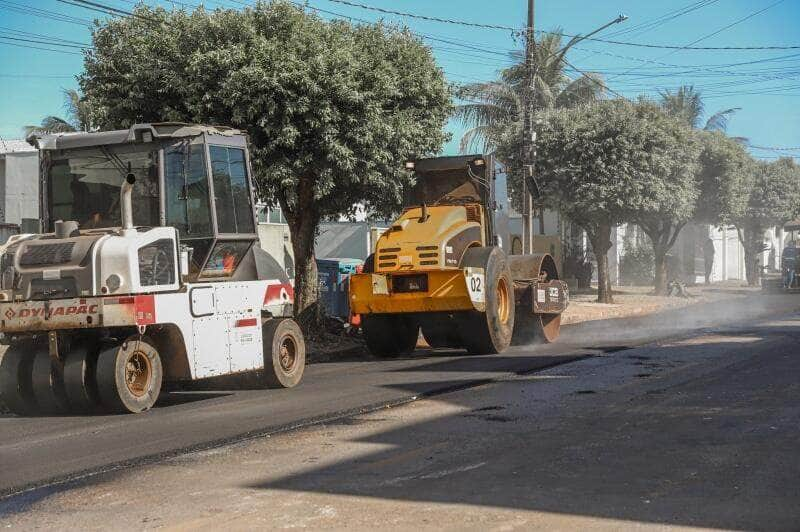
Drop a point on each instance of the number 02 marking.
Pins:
(475, 284)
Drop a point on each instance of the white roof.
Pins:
(15, 146)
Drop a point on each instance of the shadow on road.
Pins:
(712, 450)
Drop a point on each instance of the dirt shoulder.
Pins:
(632, 301)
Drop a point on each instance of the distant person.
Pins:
(789, 264)
(708, 258)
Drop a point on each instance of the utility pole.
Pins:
(529, 186)
(528, 136)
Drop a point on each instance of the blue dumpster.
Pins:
(333, 275)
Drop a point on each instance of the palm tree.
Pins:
(494, 107)
(686, 103)
(78, 117)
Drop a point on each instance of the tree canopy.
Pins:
(612, 162)
(490, 109)
(725, 178)
(332, 109)
(78, 117)
(773, 199)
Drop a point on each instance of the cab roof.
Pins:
(60, 141)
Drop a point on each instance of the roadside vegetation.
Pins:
(333, 110)
(607, 161)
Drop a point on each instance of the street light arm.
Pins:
(579, 38)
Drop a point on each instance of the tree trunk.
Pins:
(303, 223)
(753, 242)
(660, 279)
(601, 243)
(305, 273)
(663, 234)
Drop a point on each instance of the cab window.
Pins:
(84, 186)
(231, 193)
(187, 201)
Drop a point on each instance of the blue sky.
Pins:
(767, 89)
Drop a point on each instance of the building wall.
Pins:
(275, 240)
(19, 184)
(348, 240)
(686, 257)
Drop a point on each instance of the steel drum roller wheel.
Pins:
(535, 328)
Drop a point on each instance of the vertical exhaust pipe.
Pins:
(126, 203)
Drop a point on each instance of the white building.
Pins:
(19, 182)
(687, 252)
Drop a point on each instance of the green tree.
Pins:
(613, 162)
(490, 109)
(332, 109)
(724, 178)
(78, 117)
(686, 103)
(668, 182)
(773, 199)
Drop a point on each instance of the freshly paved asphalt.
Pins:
(40, 451)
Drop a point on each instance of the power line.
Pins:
(541, 32)
(732, 24)
(106, 9)
(676, 47)
(40, 35)
(774, 148)
(43, 13)
(34, 47)
(651, 24)
(716, 32)
(425, 17)
(109, 10)
(592, 79)
(49, 43)
(43, 76)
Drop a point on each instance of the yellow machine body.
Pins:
(433, 247)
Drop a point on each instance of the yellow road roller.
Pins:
(439, 269)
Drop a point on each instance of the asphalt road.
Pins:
(41, 451)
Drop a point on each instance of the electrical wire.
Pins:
(716, 32)
(520, 32)
(425, 17)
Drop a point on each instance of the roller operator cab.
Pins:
(438, 269)
(147, 271)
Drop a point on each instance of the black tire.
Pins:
(440, 330)
(129, 376)
(284, 353)
(48, 386)
(16, 390)
(490, 331)
(79, 380)
(390, 335)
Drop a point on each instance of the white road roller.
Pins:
(148, 270)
